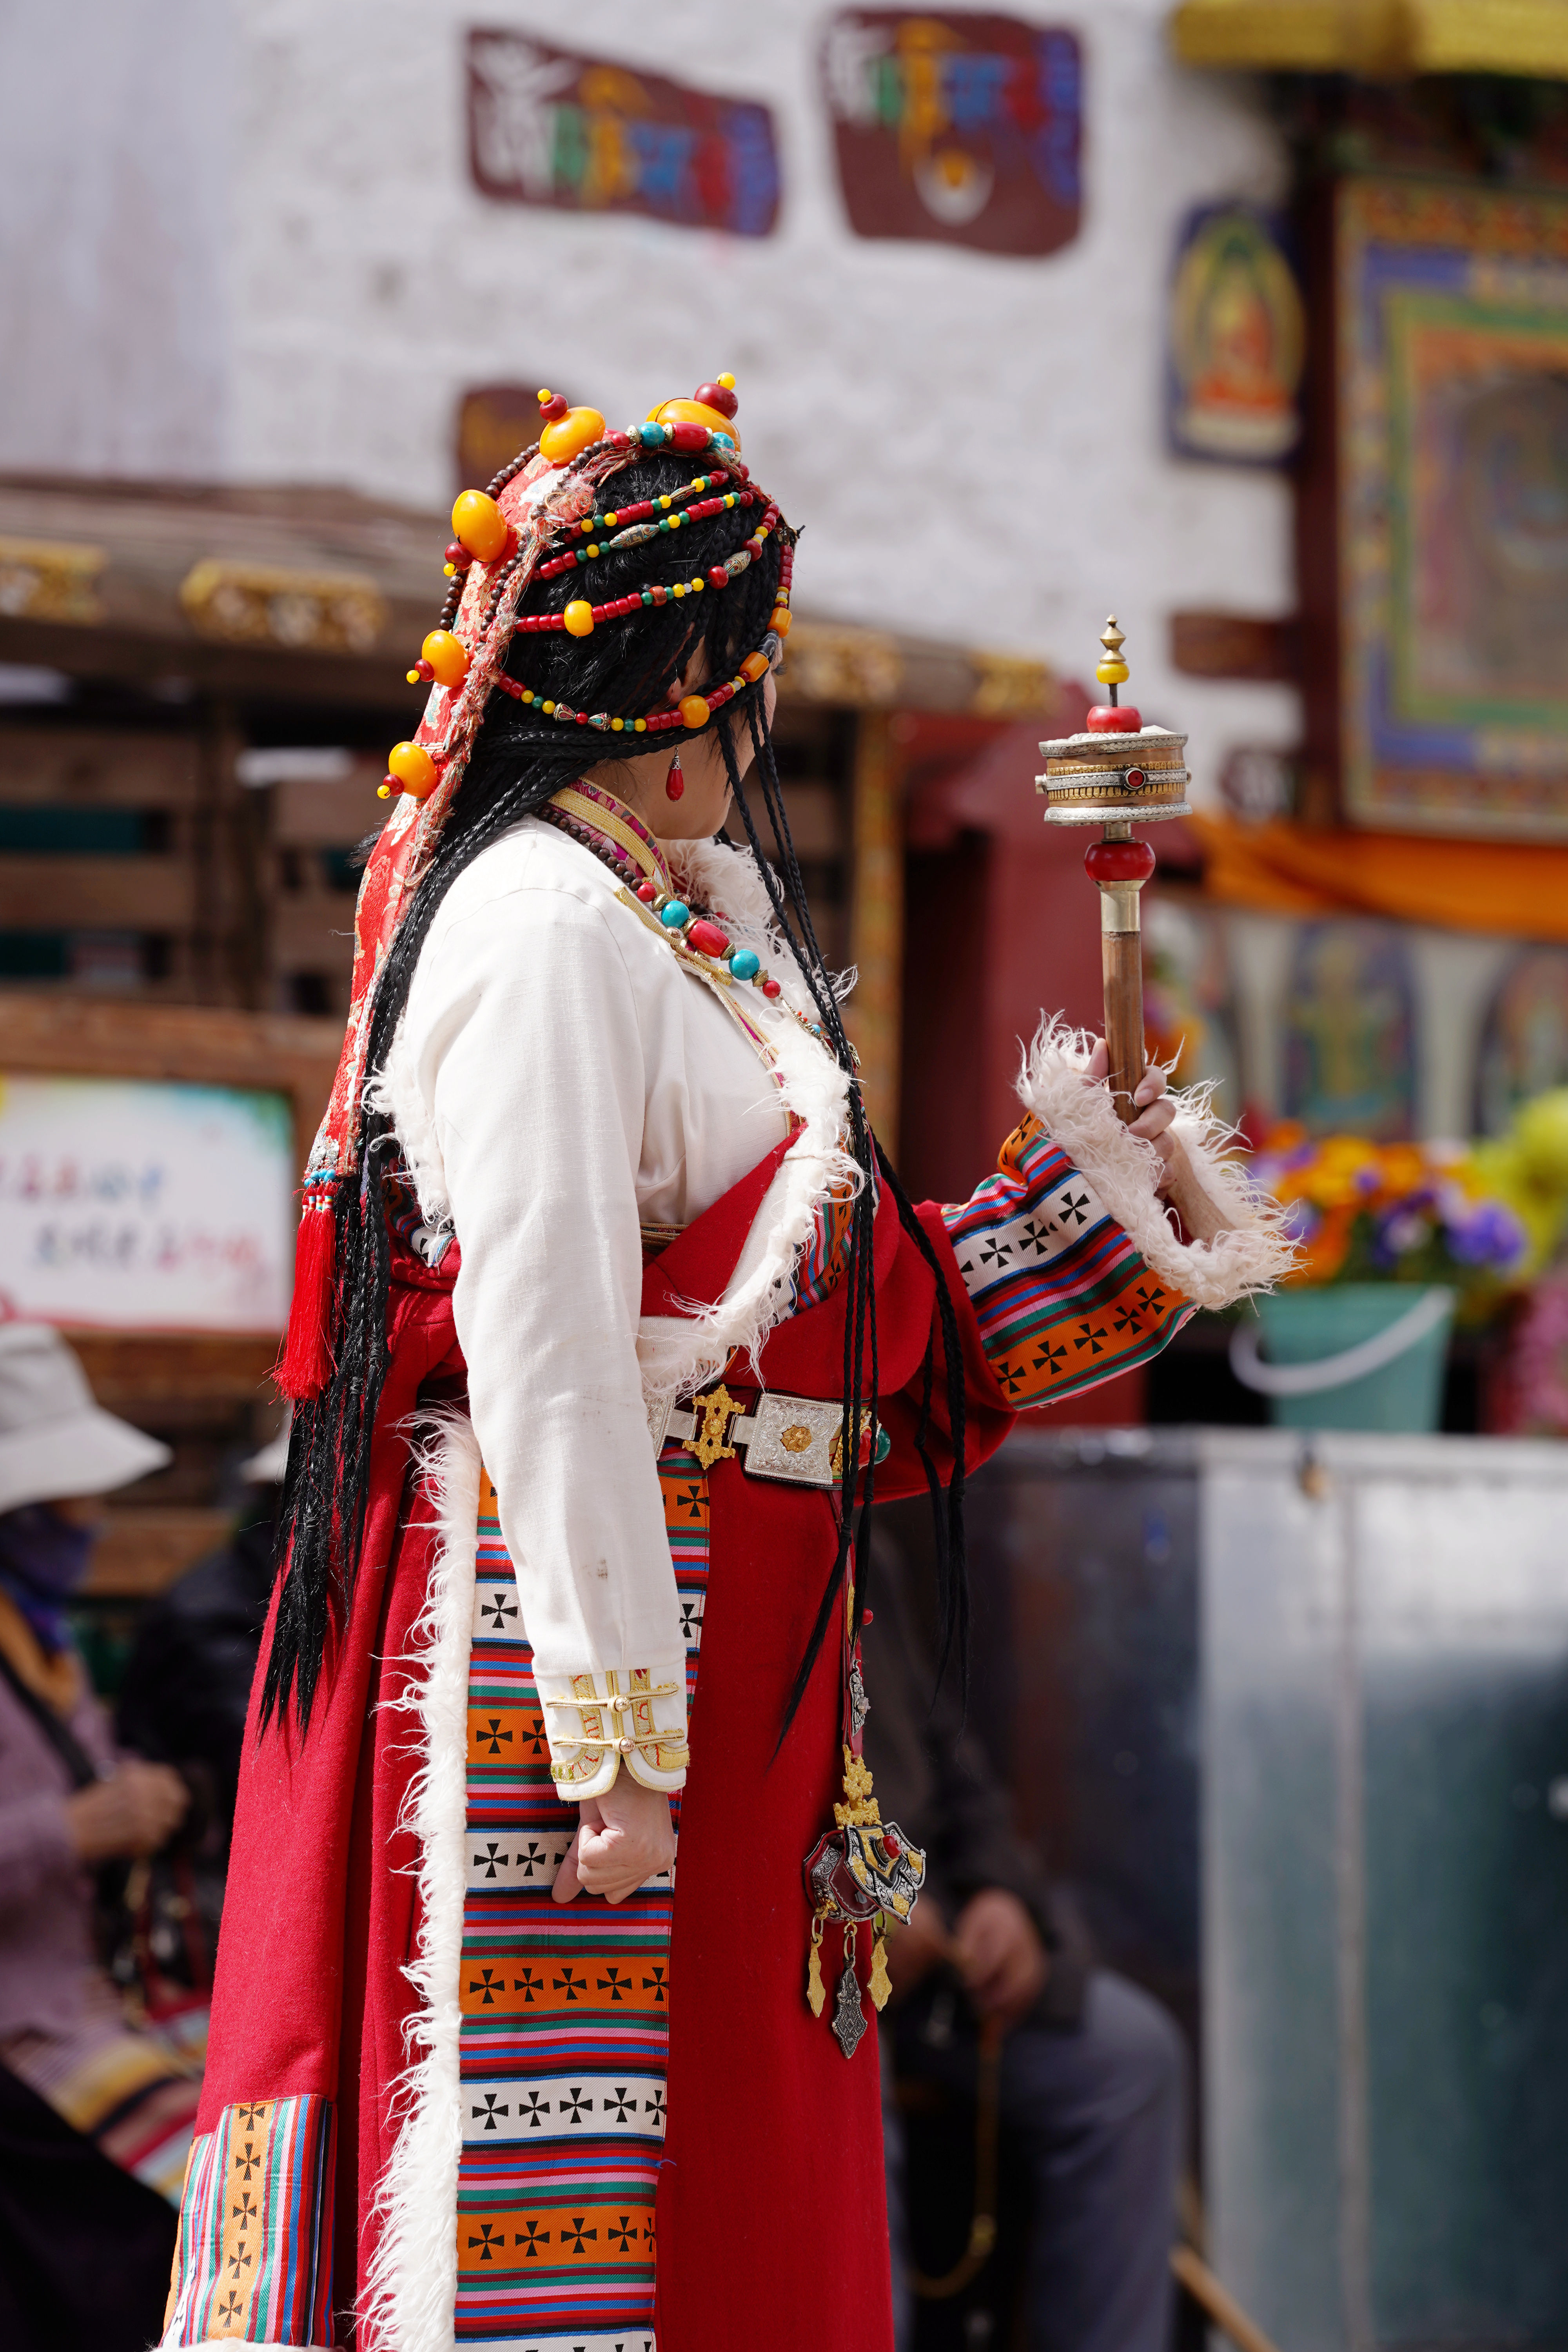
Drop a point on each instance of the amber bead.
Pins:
(447, 656)
(754, 665)
(579, 618)
(414, 769)
(480, 525)
(778, 621)
(578, 429)
(693, 710)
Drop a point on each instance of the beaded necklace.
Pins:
(618, 840)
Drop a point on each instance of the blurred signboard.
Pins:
(494, 422)
(132, 1206)
(1238, 339)
(547, 126)
(961, 129)
(1452, 506)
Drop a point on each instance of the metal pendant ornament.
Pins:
(1117, 773)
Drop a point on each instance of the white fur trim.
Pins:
(1124, 1170)
(409, 2296)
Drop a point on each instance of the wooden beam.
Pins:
(114, 894)
(1236, 646)
(96, 767)
(872, 1015)
(142, 1552)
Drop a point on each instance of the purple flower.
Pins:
(1488, 1235)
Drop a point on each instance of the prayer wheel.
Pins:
(1116, 775)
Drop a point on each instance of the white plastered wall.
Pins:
(975, 444)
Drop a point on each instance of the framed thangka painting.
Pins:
(958, 128)
(1237, 339)
(1452, 449)
(580, 134)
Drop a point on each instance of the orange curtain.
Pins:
(1516, 890)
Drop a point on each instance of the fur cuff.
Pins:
(1124, 1172)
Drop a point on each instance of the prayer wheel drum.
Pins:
(1116, 775)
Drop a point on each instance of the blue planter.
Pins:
(1311, 1327)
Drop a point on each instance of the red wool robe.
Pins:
(770, 2197)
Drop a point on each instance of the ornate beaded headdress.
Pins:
(542, 515)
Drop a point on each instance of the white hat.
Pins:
(54, 1440)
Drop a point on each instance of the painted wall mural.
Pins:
(547, 126)
(1453, 521)
(1349, 1039)
(1238, 339)
(961, 129)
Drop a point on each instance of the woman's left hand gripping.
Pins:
(623, 1838)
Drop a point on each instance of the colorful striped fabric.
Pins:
(134, 2094)
(564, 2008)
(255, 2255)
(1062, 1298)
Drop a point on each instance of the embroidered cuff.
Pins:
(1124, 1172)
(592, 1721)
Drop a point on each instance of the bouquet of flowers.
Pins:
(1394, 1213)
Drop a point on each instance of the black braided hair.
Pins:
(520, 758)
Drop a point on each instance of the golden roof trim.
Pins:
(1381, 39)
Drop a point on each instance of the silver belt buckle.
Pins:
(792, 1438)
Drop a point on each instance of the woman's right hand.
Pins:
(623, 1838)
(133, 1814)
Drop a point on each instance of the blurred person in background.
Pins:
(69, 1803)
(1092, 2071)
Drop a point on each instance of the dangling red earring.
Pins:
(674, 782)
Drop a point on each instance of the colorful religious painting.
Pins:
(1237, 339)
(1350, 1052)
(1453, 507)
(547, 126)
(494, 422)
(964, 130)
(1524, 1040)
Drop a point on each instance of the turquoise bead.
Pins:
(651, 435)
(744, 964)
(675, 914)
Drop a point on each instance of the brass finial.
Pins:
(1112, 670)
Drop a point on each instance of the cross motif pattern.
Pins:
(531, 2243)
(1091, 1339)
(575, 2106)
(490, 1860)
(493, 1736)
(490, 2242)
(1076, 1207)
(535, 2111)
(1050, 1359)
(486, 1984)
(529, 1984)
(489, 2114)
(501, 1609)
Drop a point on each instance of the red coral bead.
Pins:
(707, 938)
(1114, 718)
(718, 577)
(685, 435)
(456, 555)
(1119, 861)
(771, 988)
(647, 892)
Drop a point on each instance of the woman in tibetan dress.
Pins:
(609, 1318)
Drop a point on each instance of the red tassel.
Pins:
(306, 1364)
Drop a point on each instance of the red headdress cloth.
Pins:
(541, 502)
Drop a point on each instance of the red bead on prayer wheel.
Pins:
(1119, 861)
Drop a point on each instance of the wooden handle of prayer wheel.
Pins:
(1122, 960)
(1119, 867)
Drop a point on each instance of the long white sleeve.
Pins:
(558, 1078)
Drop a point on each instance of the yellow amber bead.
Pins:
(778, 621)
(694, 711)
(695, 412)
(415, 768)
(479, 523)
(727, 381)
(447, 656)
(754, 665)
(579, 618)
(1111, 673)
(578, 429)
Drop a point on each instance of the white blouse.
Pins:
(558, 1079)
